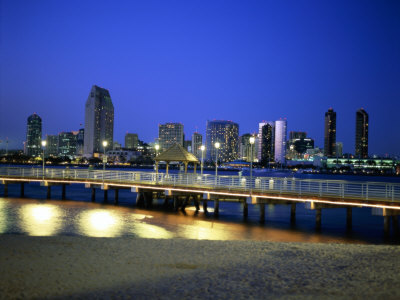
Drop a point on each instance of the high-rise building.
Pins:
(169, 134)
(67, 144)
(227, 134)
(339, 149)
(131, 141)
(247, 151)
(51, 145)
(80, 138)
(34, 136)
(280, 141)
(259, 137)
(361, 149)
(293, 135)
(267, 142)
(99, 121)
(197, 141)
(330, 133)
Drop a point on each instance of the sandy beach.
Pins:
(82, 267)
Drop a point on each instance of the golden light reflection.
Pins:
(100, 223)
(202, 230)
(149, 231)
(40, 219)
(3, 216)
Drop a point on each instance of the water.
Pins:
(37, 216)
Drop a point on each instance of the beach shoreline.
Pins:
(124, 267)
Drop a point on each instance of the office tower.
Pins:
(297, 135)
(67, 144)
(259, 137)
(247, 151)
(267, 143)
(80, 138)
(99, 121)
(169, 134)
(131, 141)
(187, 144)
(361, 150)
(330, 133)
(51, 145)
(280, 141)
(227, 134)
(197, 141)
(34, 136)
(339, 149)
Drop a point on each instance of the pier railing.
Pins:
(378, 191)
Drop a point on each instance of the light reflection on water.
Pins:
(40, 219)
(54, 217)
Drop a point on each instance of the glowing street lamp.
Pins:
(217, 145)
(44, 147)
(251, 141)
(105, 143)
(157, 147)
(202, 148)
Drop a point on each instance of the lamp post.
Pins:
(251, 141)
(202, 148)
(105, 143)
(44, 147)
(157, 147)
(217, 145)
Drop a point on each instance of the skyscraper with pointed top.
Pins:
(361, 149)
(99, 121)
(330, 133)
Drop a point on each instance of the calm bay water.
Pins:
(78, 216)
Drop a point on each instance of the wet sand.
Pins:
(129, 267)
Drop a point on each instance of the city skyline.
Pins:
(196, 58)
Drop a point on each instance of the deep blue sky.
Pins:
(189, 61)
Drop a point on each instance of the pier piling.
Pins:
(349, 218)
(105, 196)
(245, 210)
(205, 205)
(262, 213)
(5, 190)
(293, 213)
(116, 196)
(318, 219)
(386, 225)
(63, 188)
(22, 189)
(48, 192)
(216, 207)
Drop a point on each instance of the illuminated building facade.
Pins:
(169, 134)
(259, 138)
(246, 149)
(361, 150)
(131, 141)
(80, 139)
(197, 141)
(34, 136)
(99, 121)
(227, 134)
(52, 145)
(280, 141)
(67, 144)
(330, 133)
(267, 143)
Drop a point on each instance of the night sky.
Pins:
(193, 61)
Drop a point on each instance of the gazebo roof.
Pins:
(176, 153)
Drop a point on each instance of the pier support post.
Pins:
(349, 218)
(185, 203)
(395, 224)
(318, 219)
(139, 199)
(216, 207)
(196, 200)
(48, 192)
(22, 189)
(116, 196)
(293, 213)
(105, 196)
(63, 192)
(205, 205)
(262, 213)
(148, 199)
(245, 210)
(93, 194)
(386, 225)
(165, 204)
(5, 190)
(175, 203)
